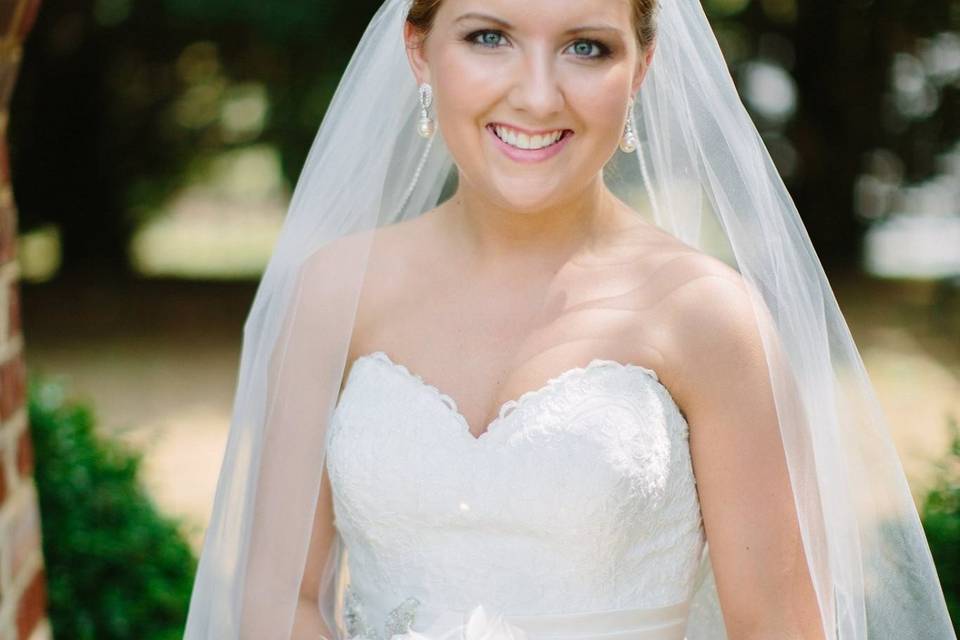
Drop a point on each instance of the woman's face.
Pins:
(530, 71)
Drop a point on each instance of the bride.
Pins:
(563, 365)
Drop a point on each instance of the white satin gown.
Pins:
(575, 515)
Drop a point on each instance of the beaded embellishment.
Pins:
(398, 620)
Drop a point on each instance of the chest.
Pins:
(588, 448)
(491, 337)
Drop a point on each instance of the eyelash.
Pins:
(605, 51)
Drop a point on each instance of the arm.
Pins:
(308, 624)
(746, 498)
(291, 524)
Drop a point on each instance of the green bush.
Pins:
(941, 521)
(116, 567)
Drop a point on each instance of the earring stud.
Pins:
(628, 141)
(425, 126)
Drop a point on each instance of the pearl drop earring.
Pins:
(628, 141)
(425, 126)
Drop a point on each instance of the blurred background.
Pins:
(153, 147)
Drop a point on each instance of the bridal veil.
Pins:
(701, 172)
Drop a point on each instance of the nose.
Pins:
(536, 89)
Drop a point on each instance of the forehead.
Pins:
(543, 15)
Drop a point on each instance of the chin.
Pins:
(529, 202)
(526, 196)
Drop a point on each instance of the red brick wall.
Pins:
(22, 587)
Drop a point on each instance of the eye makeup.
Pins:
(603, 50)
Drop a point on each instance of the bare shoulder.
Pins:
(714, 328)
(399, 266)
(401, 255)
(690, 285)
(329, 275)
(686, 267)
(367, 252)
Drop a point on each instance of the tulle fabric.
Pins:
(700, 172)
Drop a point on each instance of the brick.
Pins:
(27, 18)
(4, 154)
(43, 631)
(3, 482)
(4, 314)
(30, 609)
(8, 12)
(23, 536)
(9, 71)
(25, 455)
(6, 389)
(14, 326)
(8, 233)
(20, 539)
(13, 385)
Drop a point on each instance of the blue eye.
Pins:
(485, 41)
(602, 50)
(587, 49)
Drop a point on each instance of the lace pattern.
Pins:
(398, 620)
(579, 496)
(510, 405)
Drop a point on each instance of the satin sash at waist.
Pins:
(659, 623)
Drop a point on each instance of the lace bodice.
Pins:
(580, 496)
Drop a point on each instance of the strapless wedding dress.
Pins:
(575, 515)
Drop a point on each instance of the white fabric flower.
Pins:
(480, 625)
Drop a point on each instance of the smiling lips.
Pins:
(528, 146)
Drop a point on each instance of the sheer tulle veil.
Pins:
(701, 172)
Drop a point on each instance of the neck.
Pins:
(493, 233)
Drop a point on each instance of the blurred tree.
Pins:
(844, 54)
(120, 101)
(88, 123)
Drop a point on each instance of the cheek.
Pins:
(467, 81)
(599, 103)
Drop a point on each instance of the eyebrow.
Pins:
(507, 25)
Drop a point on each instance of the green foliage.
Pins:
(280, 20)
(116, 567)
(941, 521)
(147, 84)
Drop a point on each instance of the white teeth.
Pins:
(523, 141)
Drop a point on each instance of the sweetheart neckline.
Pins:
(508, 405)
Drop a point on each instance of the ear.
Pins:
(646, 57)
(416, 45)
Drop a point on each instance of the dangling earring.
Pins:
(425, 126)
(628, 141)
